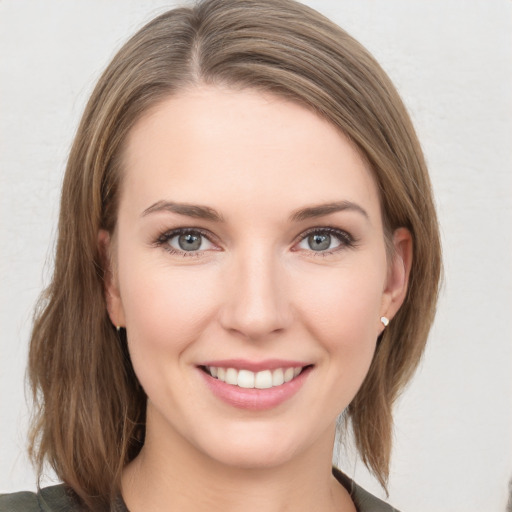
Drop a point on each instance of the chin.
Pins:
(253, 457)
(255, 449)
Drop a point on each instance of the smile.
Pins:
(247, 379)
(255, 386)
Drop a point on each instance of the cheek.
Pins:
(341, 307)
(165, 306)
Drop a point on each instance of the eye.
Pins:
(319, 242)
(185, 241)
(325, 240)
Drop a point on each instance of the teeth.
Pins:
(245, 379)
(277, 377)
(288, 374)
(231, 376)
(261, 380)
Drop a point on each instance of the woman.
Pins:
(247, 249)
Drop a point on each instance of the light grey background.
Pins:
(451, 61)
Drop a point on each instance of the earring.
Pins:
(118, 328)
(384, 320)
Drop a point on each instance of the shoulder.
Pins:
(364, 501)
(56, 498)
(22, 501)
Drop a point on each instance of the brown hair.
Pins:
(90, 409)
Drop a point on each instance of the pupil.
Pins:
(189, 242)
(319, 242)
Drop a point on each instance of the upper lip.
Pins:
(255, 366)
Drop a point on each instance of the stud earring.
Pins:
(384, 320)
(118, 328)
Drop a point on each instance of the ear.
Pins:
(110, 282)
(398, 273)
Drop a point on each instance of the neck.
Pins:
(173, 475)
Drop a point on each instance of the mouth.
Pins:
(247, 379)
(255, 385)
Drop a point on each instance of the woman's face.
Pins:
(250, 272)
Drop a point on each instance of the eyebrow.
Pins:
(207, 213)
(326, 209)
(189, 210)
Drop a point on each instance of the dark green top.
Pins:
(59, 498)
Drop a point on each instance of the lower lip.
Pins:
(255, 399)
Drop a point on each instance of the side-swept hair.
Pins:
(89, 417)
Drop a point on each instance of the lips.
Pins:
(255, 386)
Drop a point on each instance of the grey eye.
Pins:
(319, 241)
(190, 242)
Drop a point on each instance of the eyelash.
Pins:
(163, 241)
(346, 240)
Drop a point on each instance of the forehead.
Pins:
(210, 144)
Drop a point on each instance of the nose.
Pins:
(256, 303)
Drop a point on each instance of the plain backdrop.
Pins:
(451, 61)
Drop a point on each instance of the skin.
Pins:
(255, 290)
